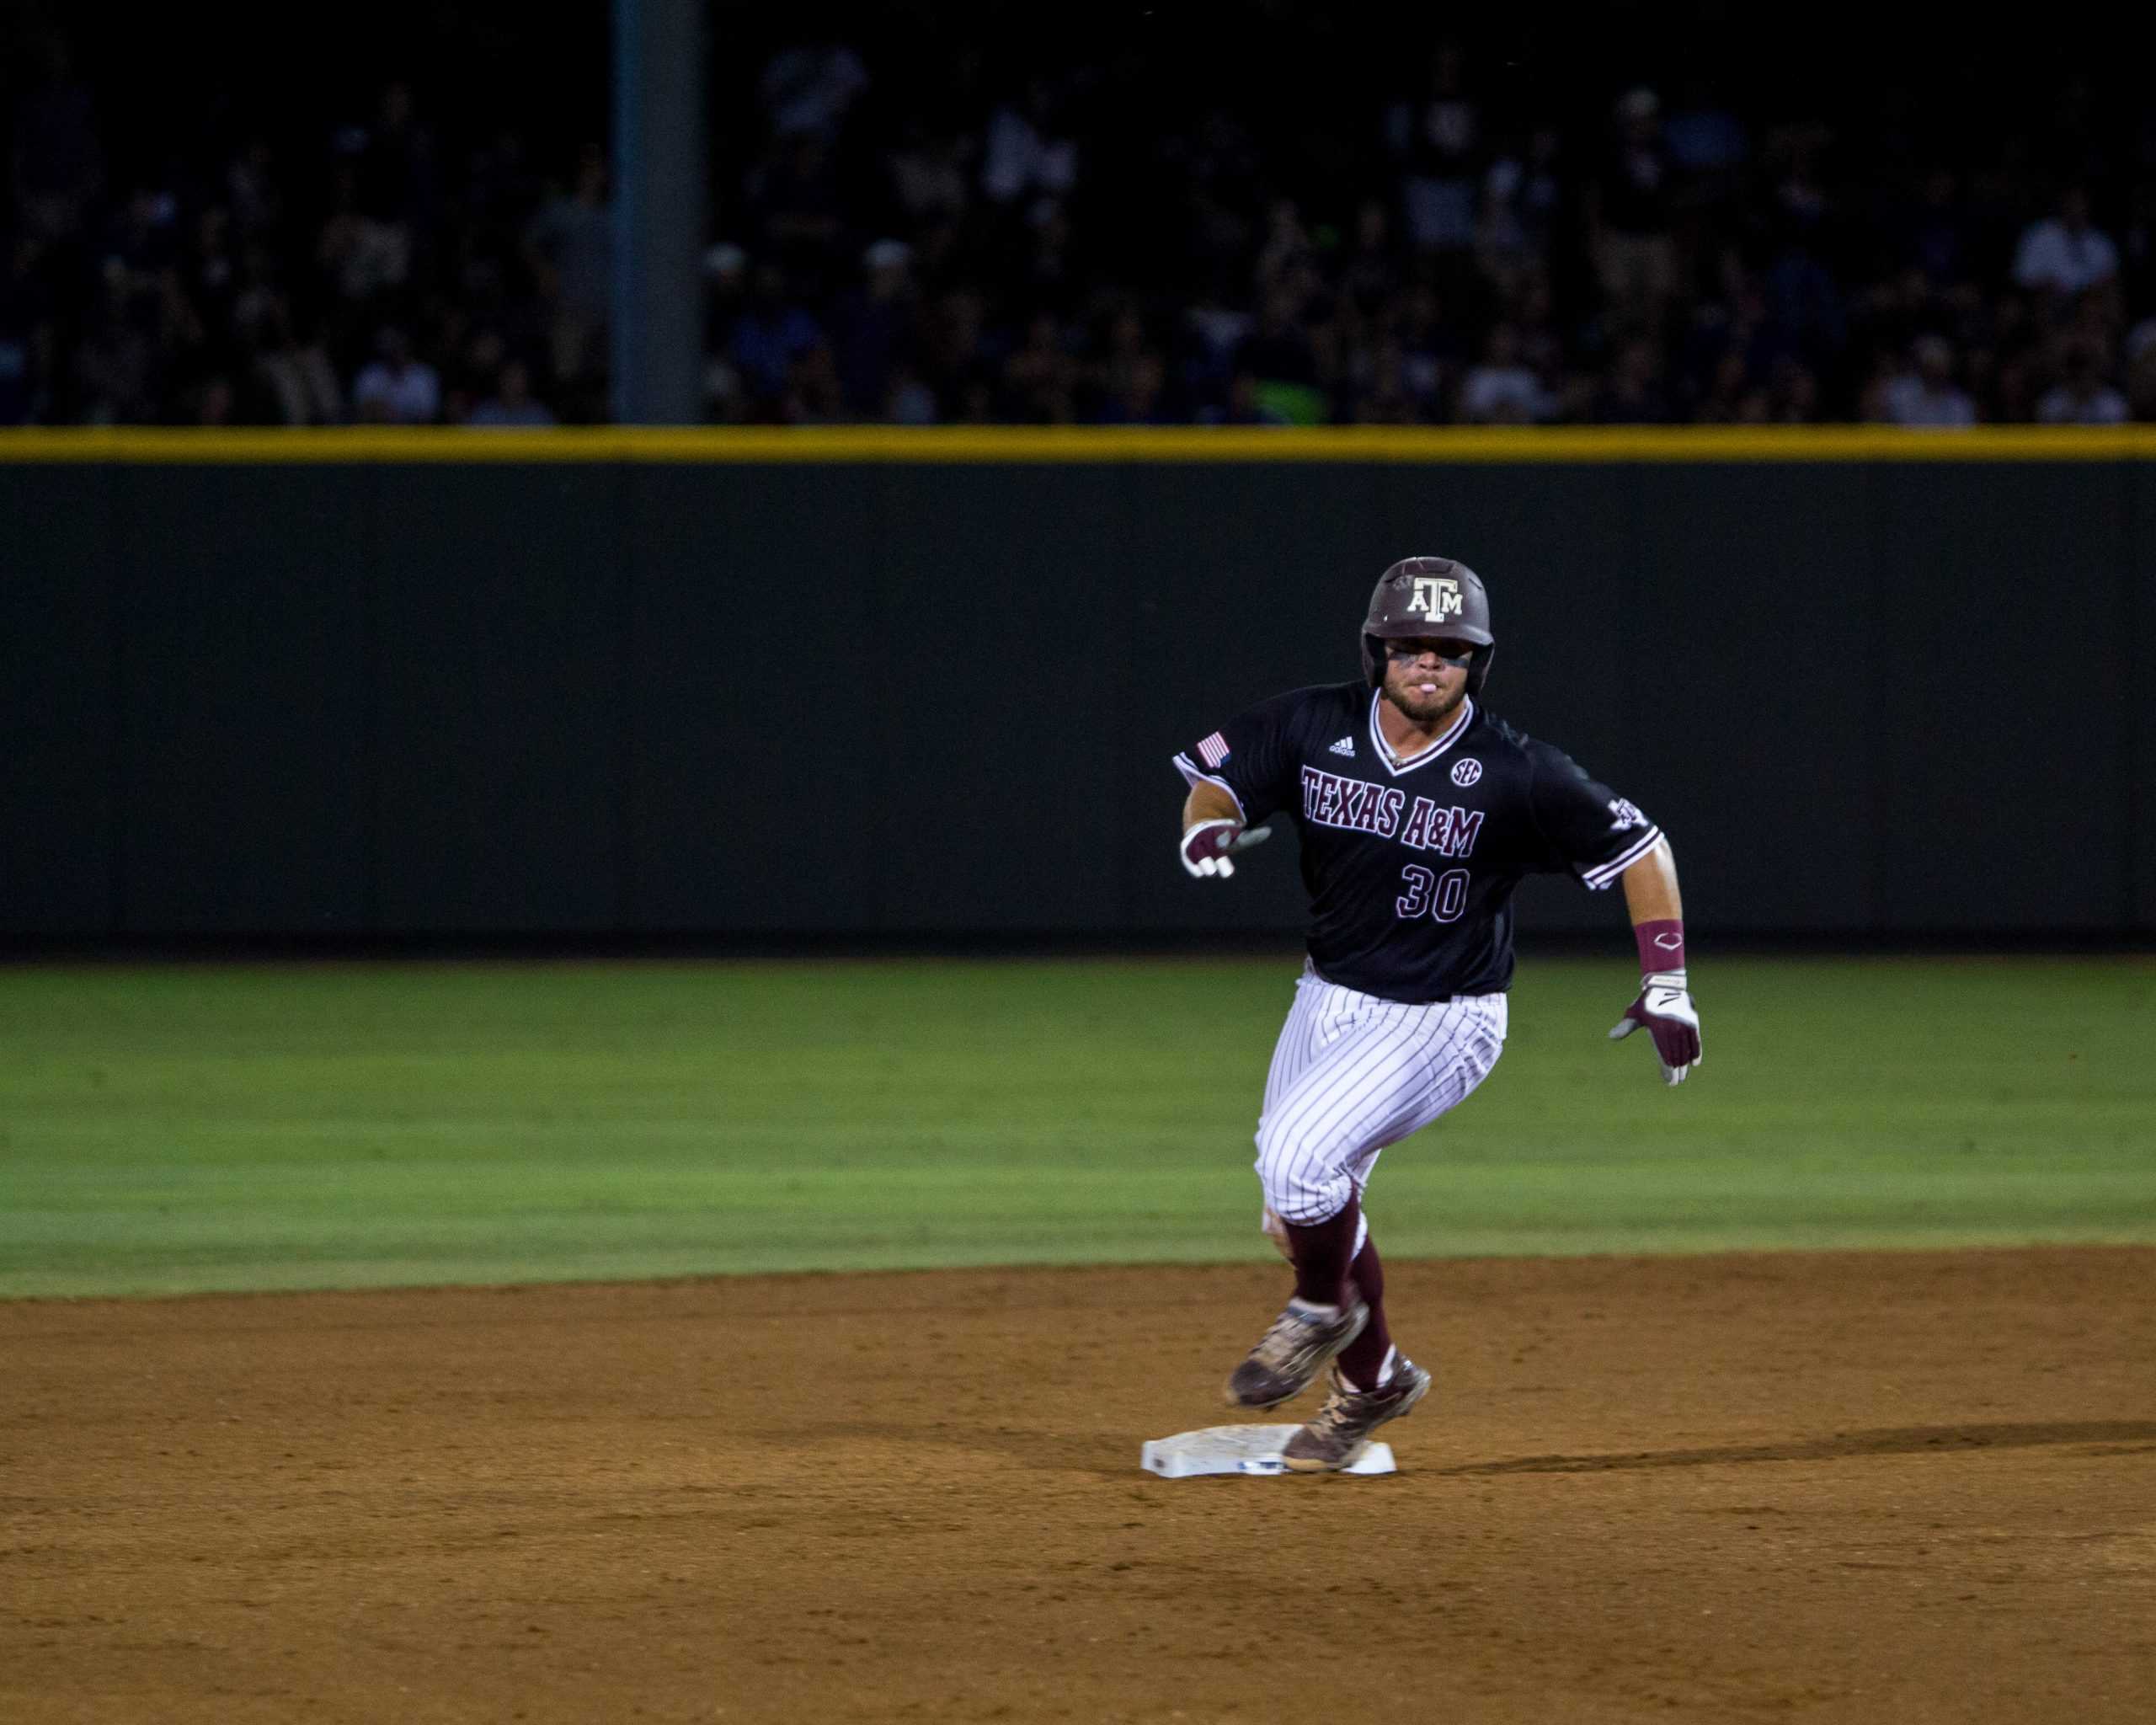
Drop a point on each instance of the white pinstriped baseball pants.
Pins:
(1352, 1073)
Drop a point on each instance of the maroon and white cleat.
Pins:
(1342, 1430)
(1290, 1356)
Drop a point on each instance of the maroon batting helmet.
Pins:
(1421, 596)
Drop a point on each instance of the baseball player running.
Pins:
(1420, 812)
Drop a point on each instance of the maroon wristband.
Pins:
(1661, 945)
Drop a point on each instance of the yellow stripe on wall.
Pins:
(1434, 444)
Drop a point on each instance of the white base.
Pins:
(1242, 1448)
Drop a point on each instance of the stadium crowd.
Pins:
(943, 237)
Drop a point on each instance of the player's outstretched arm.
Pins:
(1212, 825)
(1664, 1007)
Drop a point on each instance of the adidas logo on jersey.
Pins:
(1346, 745)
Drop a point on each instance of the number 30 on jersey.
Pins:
(1444, 896)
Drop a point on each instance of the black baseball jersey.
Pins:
(1411, 865)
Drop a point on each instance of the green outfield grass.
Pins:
(185, 1128)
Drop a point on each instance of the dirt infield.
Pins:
(1838, 1487)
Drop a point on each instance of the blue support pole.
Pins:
(657, 336)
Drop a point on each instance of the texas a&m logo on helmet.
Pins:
(1436, 597)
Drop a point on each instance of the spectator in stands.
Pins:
(1040, 377)
(569, 246)
(1436, 141)
(2141, 369)
(773, 330)
(813, 394)
(957, 359)
(512, 406)
(142, 239)
(1629, 214)
(1281, 360)
(252, 189)
(1936, 239)
(927, 173)
(1502, 391)
(395, 388)
(726, 275)
(808, 88)
(396, 163)
(2063, 256)
(26, 332)
(1804, 312)
(1382, 397)
(1302, 264)
(797, 212)
(1136, 392)
(19, 394)
(912, 401)
(216, 401)
(55, 151)
(1531, 309)
(1730, 396)
(1246, 405)
(1047, 272)
(1708, 142)
(1922, 393)
(1792, 397)
(124, 361)
(1632, 394)
(872, 326)
(1213, 335)
(1431, 350)
(361, 256)
(1128, 384)
(1522, 204)
(1029, 152)
(1219, 184)
(1370, 273)
(2137, 247)
(291, 381)
(471, 370)
(2082, 397)
(1727, 321)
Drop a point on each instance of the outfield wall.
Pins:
(860, 682)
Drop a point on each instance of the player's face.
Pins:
(1427, 678)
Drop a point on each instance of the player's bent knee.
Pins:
(1300, 1187)
(1306, 1205)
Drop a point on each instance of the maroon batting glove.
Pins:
(1206, 848)
(1665, 1012)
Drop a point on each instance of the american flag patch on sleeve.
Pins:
(1213, 749)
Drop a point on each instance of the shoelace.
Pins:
(1290, 1335)
(1342, 1411)
(1335, 1418)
